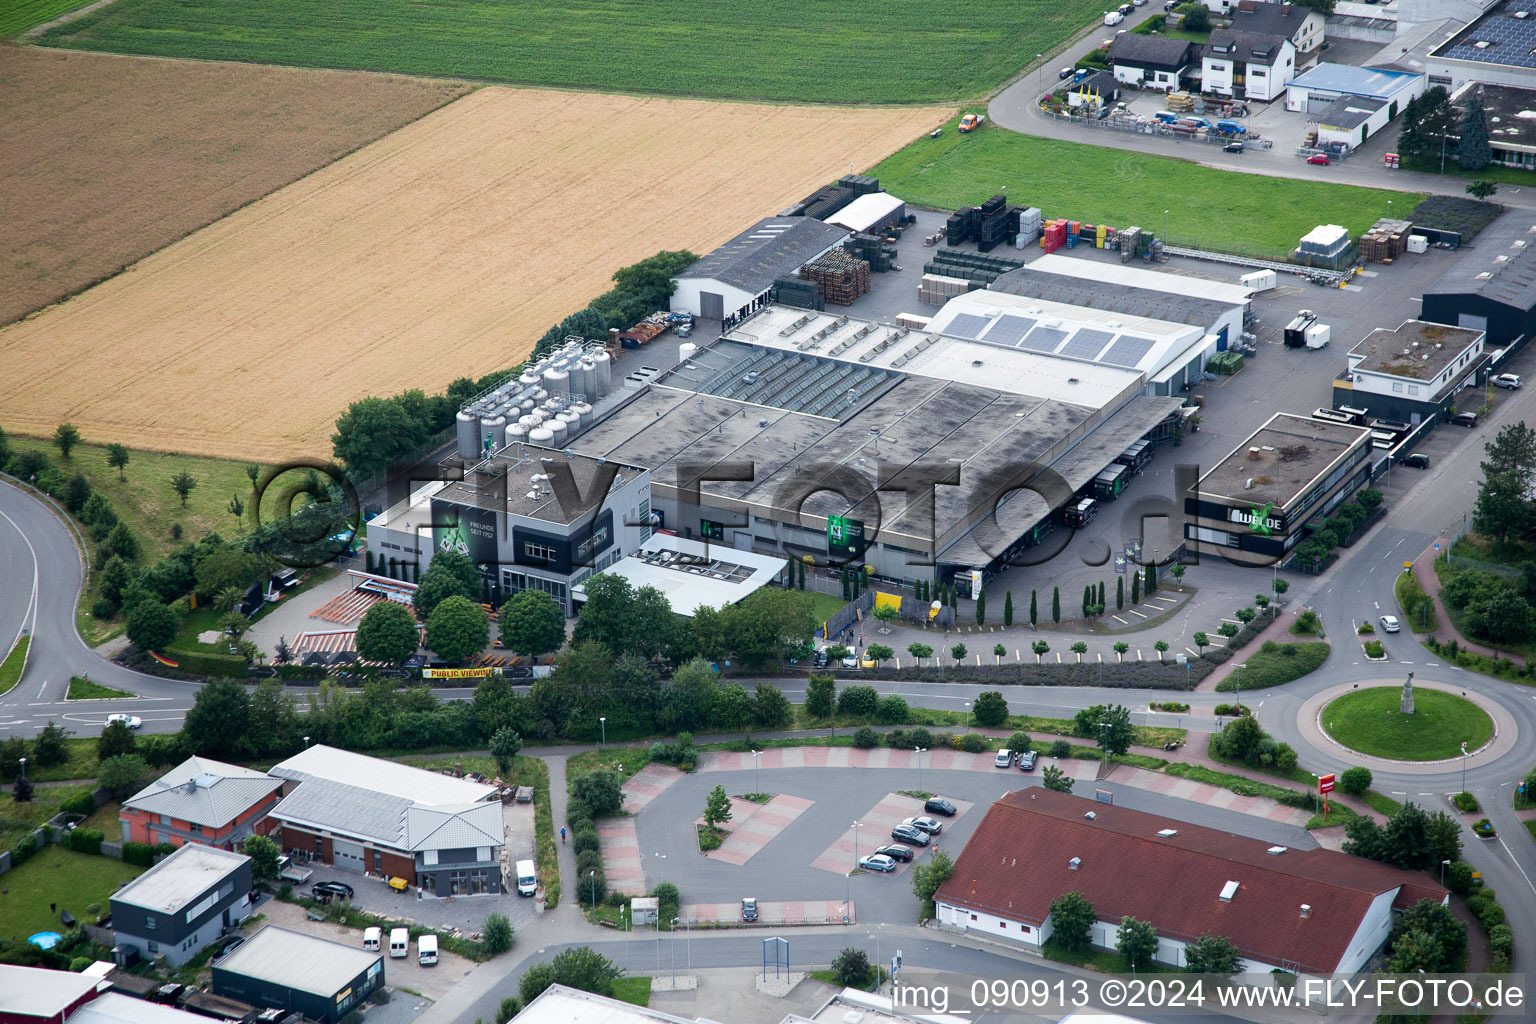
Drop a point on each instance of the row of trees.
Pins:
(1073, 917)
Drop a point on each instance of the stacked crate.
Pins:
(840, 277)
(873, 250)
(963, 225)
(937, 289)
(791, 291)
(994, 223)
(1386, 240)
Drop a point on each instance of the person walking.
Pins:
(562, 833)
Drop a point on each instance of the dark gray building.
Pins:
(1493, 287)
(183, 903)
(286, 970)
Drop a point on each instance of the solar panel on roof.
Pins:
(1086, 344)
(1009, 330)
(967, 325)
(1127, 351)
(1043, 339)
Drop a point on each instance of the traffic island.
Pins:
(1368, 726)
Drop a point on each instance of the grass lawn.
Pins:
(106, 821)
(18, 819)
(825, 605)
(1276, 664)
(145, 500)
(10, 669)
(632, 990)
(16, 16)
(1210, 207)
(1369, 721)
(1105, 960)
(878, 51)
(84, 689)
(72, 880)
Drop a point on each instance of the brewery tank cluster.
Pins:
(548, 403)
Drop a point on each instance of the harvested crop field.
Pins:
(106, 159)
(442, 250)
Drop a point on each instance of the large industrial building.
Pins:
(914, 452)
(1411, 372)
(1493, 288)
(734, 280)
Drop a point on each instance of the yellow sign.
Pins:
(455, 673)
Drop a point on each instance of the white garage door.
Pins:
(347, 855)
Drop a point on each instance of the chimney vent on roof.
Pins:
(1306, 910)
(1072, 864)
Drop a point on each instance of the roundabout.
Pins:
(1363, 722)
(1371, 722)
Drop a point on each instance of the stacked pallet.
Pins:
(872, 249)
(1179, 102)
(840, 277)
(937, 289)
(1386, 240)
(994, 224)
(964, 225)
(792, 291)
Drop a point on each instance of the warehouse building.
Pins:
(734, 280)
(1311, 911)
(693, 574)
(1492, 288)
(1510, 112)
(1412, 372)
(183, 903)
(287, 970)
(802, 433)
(1253, 507)
(1315, 90)
(1496, 44)
(442, 834)
(1349, 120)
(870, 212)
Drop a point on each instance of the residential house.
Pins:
(183, 903)
(201, 801)
(443, 834)
(1303, 26)
(1303, 911)
(1247, 65)
(1151, 62)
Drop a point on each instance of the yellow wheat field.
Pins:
(442, 250)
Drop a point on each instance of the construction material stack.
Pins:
(1029, 226)
(791, 291)
(963, 225)
(1055, 235)
(994, 223)
(970, 266)
(840, 277)
(1130, 242)
(873, 250)
(861, 184)
(1386, 240)
(1179, 103)
(937, 289)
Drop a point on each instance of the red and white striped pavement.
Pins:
(880, 757)
(622, 866)
(348, 607)
(647, 784)
(753, 826)
(1211, 796)
(792, 912)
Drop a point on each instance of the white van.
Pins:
(399, 942)
(1113, 18)
(426, 950)
(527, 878)
(372, 938)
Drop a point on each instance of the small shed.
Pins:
(644, 909)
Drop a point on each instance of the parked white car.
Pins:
(1507, 380)
(131, 721)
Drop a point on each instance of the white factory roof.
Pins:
(179, 879)
(36, 992)
(866, 211)
(930, 354)
(413, 514)
(852, 1004)
(116, 1008)
(691, 573)
(1136, 277)
(413, 784)
(560, 1005)
(306, 963)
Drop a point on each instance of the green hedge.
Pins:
(80, 803)
(83, 840)
(211, 664)
(142, 854)
(304, 672)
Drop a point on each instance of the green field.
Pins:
(1276, 664)
(72, 880)
(1206, 207)
(875, 51)
(16, 16)
(1370, 721)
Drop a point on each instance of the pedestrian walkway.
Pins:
(878, 757)
(623, 866)
(1424, 570)
(647, 784)
(792, 912)
(1278, 630)
(753, 826)
(1211, 796)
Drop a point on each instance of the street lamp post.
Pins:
(1104, 740)
(967, 714)
(1165, 227)
(919, 752)
(878, 962)
(23, 762)
(659, 865)
(674, 954)
(620, 774)
(757, 779)
(1239, 687)
(856, 826)
(593, 875)
(1464, 756)
(306, 742)
(603, 721)
(1443, 863)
